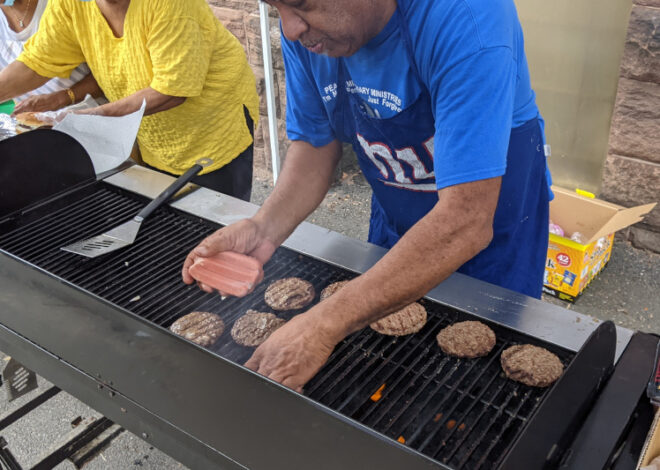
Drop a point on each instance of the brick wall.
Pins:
(241, 17)
(632, 169)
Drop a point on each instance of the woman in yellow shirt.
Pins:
(200, 91)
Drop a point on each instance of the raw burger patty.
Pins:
(289, 293)
(332, 288)
(531, 365)
(254, 328)
(466, 339)
(203, 328)
(406, 321)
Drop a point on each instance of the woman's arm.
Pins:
(59, 99)
(86, 86)
(17, 79)
(156, 102)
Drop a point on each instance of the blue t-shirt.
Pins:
(470, 57)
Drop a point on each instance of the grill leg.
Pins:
(72, 443)
(7, 459)
(89, 451)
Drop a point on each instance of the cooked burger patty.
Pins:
(406, 321)
(332, 288)
(289, 293)
(531, 365)
(203, 328)
(254, 328)
(466, 339)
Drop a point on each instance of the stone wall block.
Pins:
(635, 129)
(643, 238)
(630, 182)
(238, 5)
(275, 45)
(641, 56)
(280, 94)
(253, 34)
(232, 20)
(648, 3)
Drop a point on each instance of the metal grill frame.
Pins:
(38, 310)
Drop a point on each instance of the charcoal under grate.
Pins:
(463, 413)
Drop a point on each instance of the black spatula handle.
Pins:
(172, 189)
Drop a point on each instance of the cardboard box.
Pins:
(651, 448)
(571, 266)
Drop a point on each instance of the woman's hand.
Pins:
(46, 102)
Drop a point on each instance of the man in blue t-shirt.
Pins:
(435, 97)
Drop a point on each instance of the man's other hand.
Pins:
(294, 353)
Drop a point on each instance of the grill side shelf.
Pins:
(551, 429)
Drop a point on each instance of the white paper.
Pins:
(108, 140)
(53, 117)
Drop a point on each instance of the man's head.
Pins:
(333, 27)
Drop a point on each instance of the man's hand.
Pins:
(245, 237)
(46, 102)
(294, 353)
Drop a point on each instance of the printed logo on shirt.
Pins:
(373, 98)
(330, 92)
(402, 168)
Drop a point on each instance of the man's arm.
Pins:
(17, 79)
(156, 102)
(302, 185)
(453, 232)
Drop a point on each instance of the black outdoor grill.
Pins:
(98, 329)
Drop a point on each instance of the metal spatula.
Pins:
(125, 234)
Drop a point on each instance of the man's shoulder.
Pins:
(440, 9)
(448, 31)
(458, 16)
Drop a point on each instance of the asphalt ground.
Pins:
(627, 291)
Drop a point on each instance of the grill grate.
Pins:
(463, 413)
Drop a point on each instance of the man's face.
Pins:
(333, 27)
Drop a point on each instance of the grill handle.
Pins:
(172, 189)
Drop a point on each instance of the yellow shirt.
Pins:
(176, 47)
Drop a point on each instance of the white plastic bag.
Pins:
(653, 465)
(53, 117)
